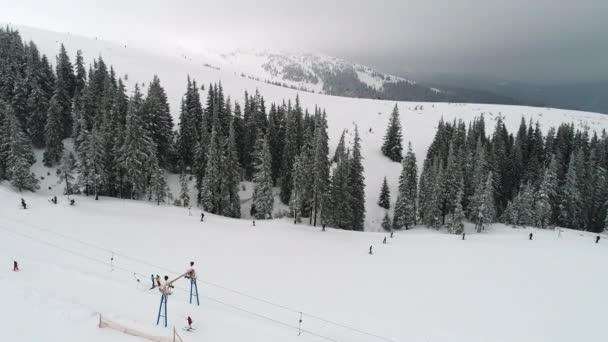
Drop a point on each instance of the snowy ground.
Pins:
(422, 286)
(419, 120)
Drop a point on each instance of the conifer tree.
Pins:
(159, 186)
(456, 225)
(392, 147)
(357, 185)
(232, 175)
(53, 133)
(320, 169)
(337, 213)
(184, 192)
(37, 107)
(569, 209)
(159, 122)
(212, 196)
(405, 207)
(386, 222)
(16, 155)
(385, 197)
(290, 151)
(68, 165)
(263, 198)
(136, 149)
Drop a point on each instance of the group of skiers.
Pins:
(52, 200)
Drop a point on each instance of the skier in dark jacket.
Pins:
(72, 202)
(323, 226)
(15, 266)
(531, 235)
(384, 241)
(253, 212)
(202, 216)
(597, 239)
(370, 250)
(189, 323)
(392, 234)
(23, 204)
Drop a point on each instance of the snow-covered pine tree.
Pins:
(320, 169)
(486, 210)
(212, 196)
(137, 147)
(263, 198)
(386, 222)
(188, 134)
(16, 155)
(392, 147)
(384, 200)
(407, 193)
(184, 191)
(299, 176)
(336, 213)
(158, 184)
(290, 151)
(160, 123)
(457, 221)
(569, 208)
(340, 149)
(68, 165)
(356, 182)
(38, 105)
(53, 132)
(64, 91)
(545, 201)
(232, 175)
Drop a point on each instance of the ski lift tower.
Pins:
(165, 291)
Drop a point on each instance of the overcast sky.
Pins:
(526, 40)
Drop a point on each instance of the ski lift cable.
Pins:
(178, 287)
(262, 300)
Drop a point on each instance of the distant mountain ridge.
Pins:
(324, 74)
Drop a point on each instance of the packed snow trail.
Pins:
(420, 286)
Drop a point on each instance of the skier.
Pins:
(166, 289)
(157, 280)
(392, 234)
(324, 226)
(253, 212)
(23, 203)
(384, 241)
(72, 202)
(191, 273)
(15, 266)
(463, 235)
(597, 239)
(202, 216)
(370, 250)
(531, 236)
(54, 199)
(189, 328)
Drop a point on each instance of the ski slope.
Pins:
(423, 285)
(419, 120)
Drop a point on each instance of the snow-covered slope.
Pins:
(305, 71)
(419, 120)
(421, 286)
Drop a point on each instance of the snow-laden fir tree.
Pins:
(16, 155)
(159, 121)
(232, 172)
(456, 225)
(68, 166)
(184, 191)
(392, 147)
(405, 207)
(569, 208)
(484, 211)
(212, 197)
(36, 122)
(336, 213)
(384, 201)
(356, 182)
(137, 146)
(53, 133)
(290, 151)
(523, 211)
(546, 197)
(158, 185)
(300, 177)
(263, 198)
(386, 222)
(320, 168)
